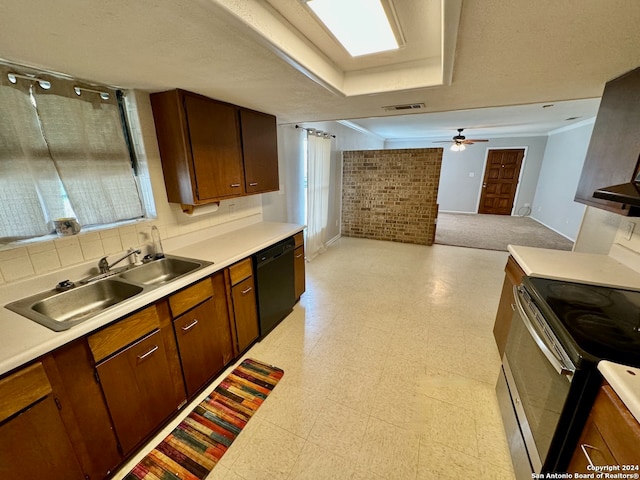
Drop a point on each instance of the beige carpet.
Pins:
(495, 232)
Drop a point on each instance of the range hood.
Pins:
(625, 193)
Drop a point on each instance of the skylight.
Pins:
(361, 26)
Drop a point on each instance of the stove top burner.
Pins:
(603, 322)
(579, 295)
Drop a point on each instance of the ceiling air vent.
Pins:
(408, 106)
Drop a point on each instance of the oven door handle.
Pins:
(557, 363)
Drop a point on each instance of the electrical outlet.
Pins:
(628, 230)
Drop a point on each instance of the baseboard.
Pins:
(333, 240)
(456, 211)
(551, 228)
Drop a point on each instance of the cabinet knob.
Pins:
(234, 185)
(186, 328)
(253, 184)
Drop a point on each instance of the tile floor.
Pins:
(390, 368)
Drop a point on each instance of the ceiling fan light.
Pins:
(462, 147)
(455, 147)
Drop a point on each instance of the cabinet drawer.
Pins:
(190, 297)
(299, 239)
(23, 388)
(241, 270)
(123, 332)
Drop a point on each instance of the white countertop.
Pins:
(618, 269)
(625, 381)
(24, 340)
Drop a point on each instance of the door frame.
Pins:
(484, 169)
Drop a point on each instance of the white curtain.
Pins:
(86, 142)
(61, 154)
(318, 171)
(30, 189)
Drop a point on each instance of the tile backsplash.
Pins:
(37, 258)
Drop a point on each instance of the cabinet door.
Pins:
(215, 147)
(513, 276)
(591, 448)
(298, 266)
(199, 345)
(133, 382)
(35, 445)
(246, 313)
(260, 151)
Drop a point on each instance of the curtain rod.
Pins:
(319, 133)
(46, 84)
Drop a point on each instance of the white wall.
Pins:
(462, 172)
(287, 205)
(553, 204)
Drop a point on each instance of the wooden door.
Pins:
(260, 151)
(215, 145)
(199, 345)
(500, 181)
(246, 313)
(34, 444)
(135, 383)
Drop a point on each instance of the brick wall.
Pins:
(391, 194)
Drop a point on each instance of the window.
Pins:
(63, 153)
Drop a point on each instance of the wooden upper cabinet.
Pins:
(260, 150)
(215, 146)
(613, 151)
(212, 150)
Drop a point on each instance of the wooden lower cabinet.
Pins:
(35, 445)
(298, 265)
(199, 345)
(34, 442)
(245, 313)
(610, 437)
(513, 276)
(243, 304)
(137, 383)
(71, 370)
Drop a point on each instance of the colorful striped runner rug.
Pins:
(192, 450)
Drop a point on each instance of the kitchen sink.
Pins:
(62, 310)
(161, 271)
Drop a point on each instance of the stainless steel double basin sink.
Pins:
(61, 310)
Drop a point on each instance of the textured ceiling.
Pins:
(515, 53)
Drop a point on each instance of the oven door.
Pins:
(537, 374)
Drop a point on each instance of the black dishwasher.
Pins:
(274, 283)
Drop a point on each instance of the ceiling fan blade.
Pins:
(475, 140)
(444, 141)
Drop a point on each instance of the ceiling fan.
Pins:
(459, 141)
